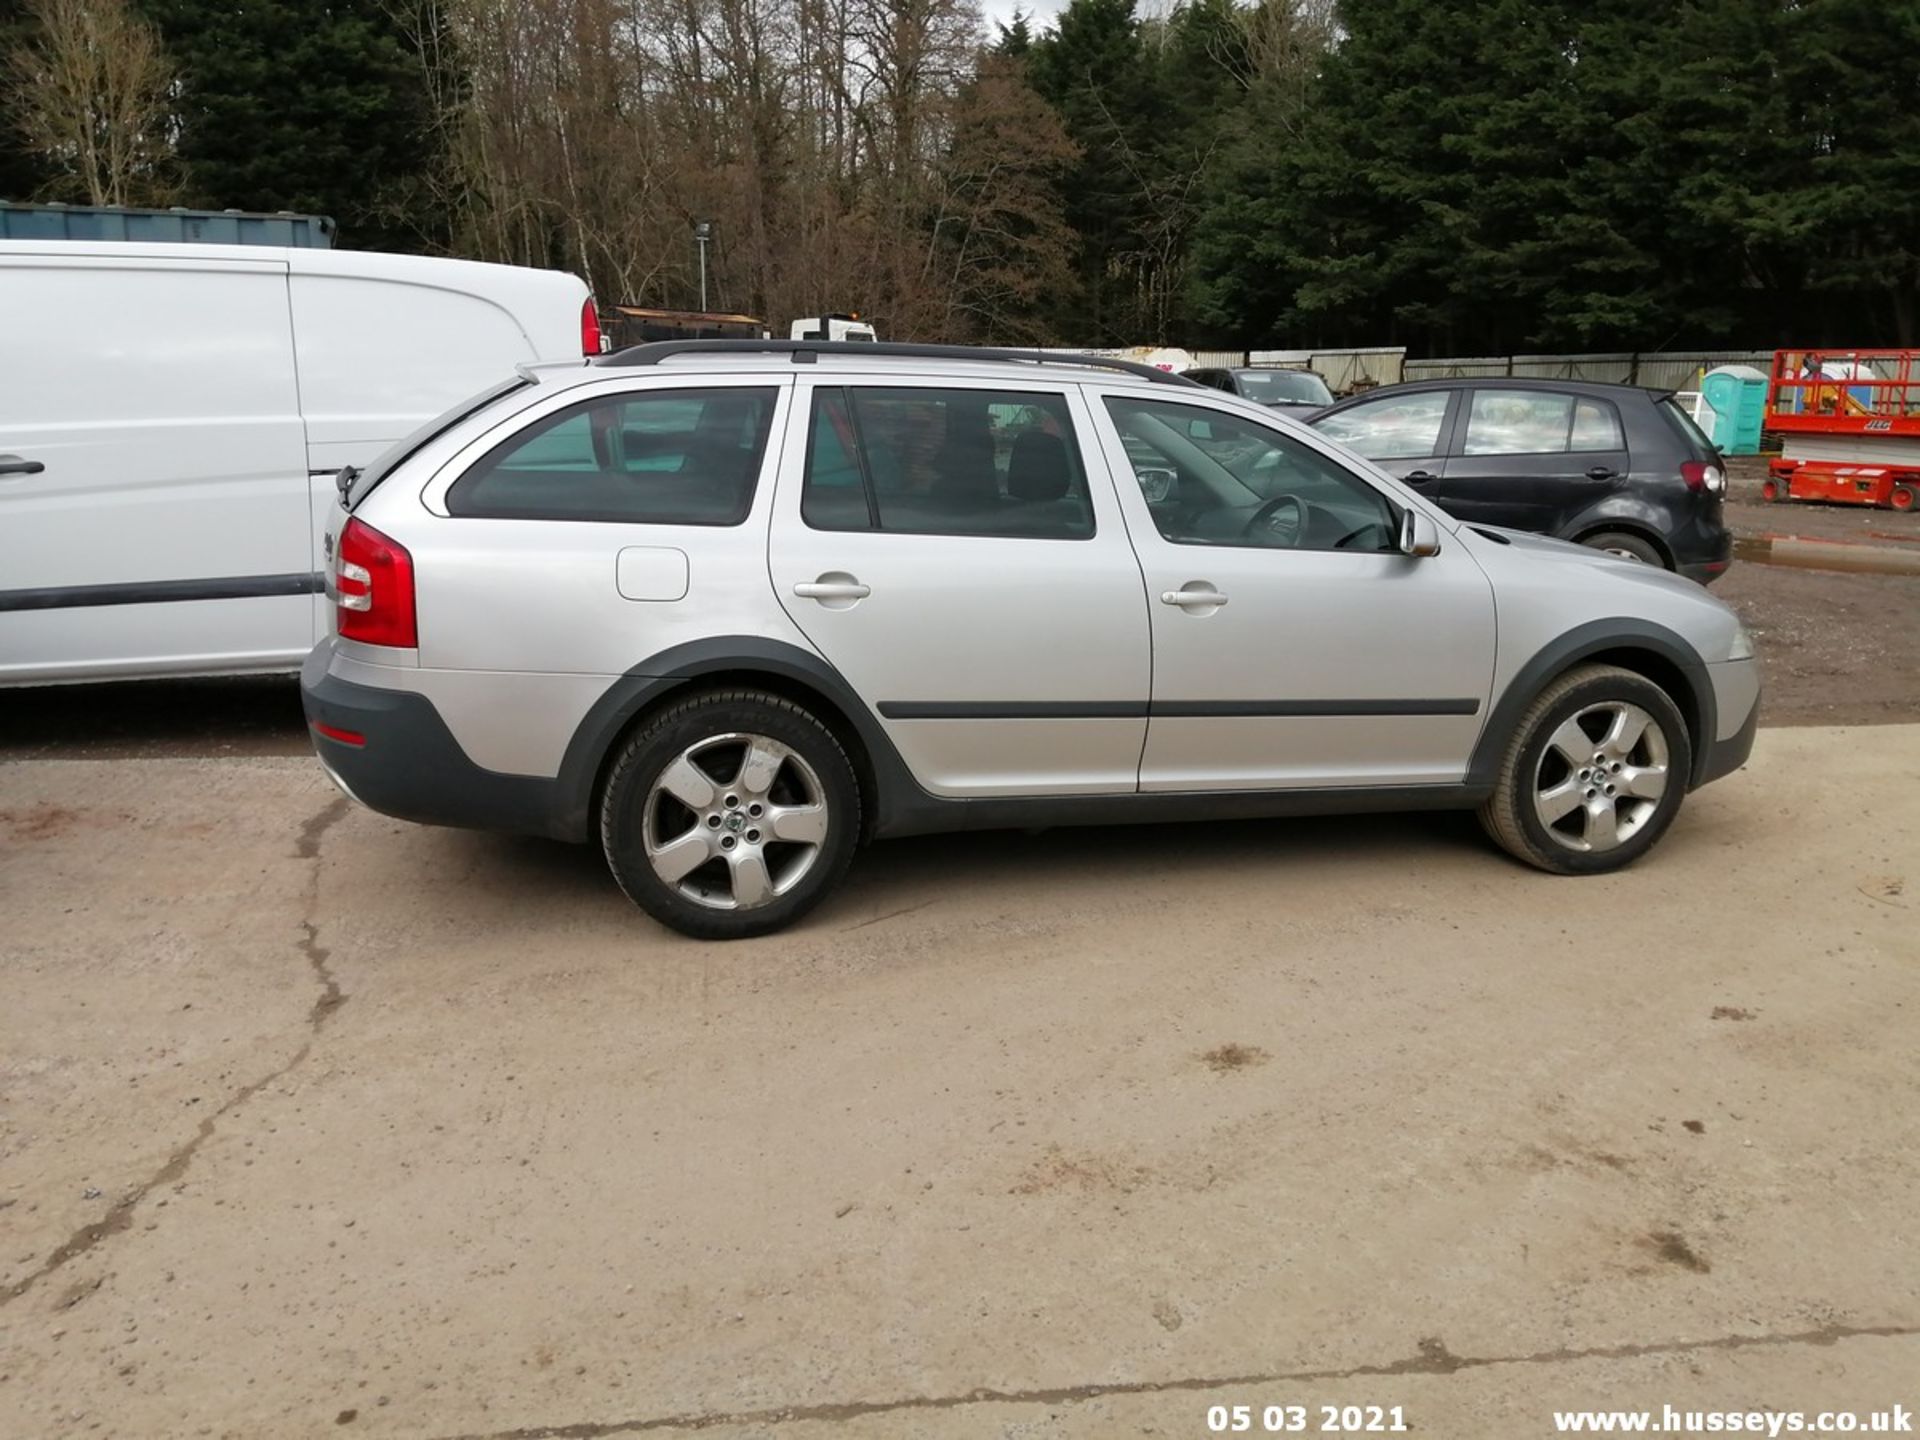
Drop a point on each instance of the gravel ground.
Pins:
(314, 1123)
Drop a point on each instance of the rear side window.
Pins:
(665, 457)
(1539, 422)
(945, 462)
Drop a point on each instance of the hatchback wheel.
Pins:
(1627, 547)
(1594, 774)
(730, 814)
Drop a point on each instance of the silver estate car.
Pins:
(732, 608)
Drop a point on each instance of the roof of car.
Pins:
(910, 359)
(1600, 388)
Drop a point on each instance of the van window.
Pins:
(665, 457)
(945, 462)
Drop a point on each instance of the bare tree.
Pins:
(91, 94)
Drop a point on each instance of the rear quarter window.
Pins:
(658, 457)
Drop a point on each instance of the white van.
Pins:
(173, 417)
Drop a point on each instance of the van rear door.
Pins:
(167, 529)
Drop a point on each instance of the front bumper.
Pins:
(1736, 693)
(391, 751)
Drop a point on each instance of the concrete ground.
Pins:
(315, 1123)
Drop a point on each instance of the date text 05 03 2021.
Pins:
(1300, 1419)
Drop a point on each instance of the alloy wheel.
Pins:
(1601, 777)
(735, 821)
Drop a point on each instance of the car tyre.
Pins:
(1596, 770)
(730, 813)
(1627, 547)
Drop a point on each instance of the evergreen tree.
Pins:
(1094, 72)
(22, 173)
(308, 105)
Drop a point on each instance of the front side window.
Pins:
(1536, 422)
(1394, 427)
(1215, 479)
(945, 462)
(665, 457)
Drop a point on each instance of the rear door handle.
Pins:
(1193, 599)
(832, 590)
(1602, 472)
(14, 465)
(1421, 477)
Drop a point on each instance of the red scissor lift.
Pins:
(1849, 423)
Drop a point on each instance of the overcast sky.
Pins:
(999, 12)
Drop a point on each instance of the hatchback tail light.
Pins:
(373, 584)
(1703, 478)
(592, 342)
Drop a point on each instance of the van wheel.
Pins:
(1905, 499)
(1595, 772)
(1627, 547)
(730, 814)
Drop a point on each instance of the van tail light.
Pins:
(373, 587)
(1702, 478)
(592, 342)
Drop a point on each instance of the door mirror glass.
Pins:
(1419, 536)
(1156, 483)
(1199, 430)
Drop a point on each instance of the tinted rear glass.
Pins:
(394, 455)
(1696, 438)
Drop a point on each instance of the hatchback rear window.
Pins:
(1696, 438)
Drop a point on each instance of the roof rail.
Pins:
(805, 352)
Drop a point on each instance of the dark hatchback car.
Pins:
(1300, 391)
(1616, 467)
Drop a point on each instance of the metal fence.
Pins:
(1658, 370)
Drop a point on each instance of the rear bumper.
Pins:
(391, 751)
(1708, 563)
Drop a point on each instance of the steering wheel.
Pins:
(1268, 523)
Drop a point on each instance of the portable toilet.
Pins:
(1736, 397)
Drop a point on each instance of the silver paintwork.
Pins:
(1601, 777)
(765, 847)
(524, 624)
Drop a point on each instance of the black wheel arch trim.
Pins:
(1598, 637)
(673, 669)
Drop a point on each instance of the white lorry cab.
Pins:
(173, 418)
(833, 327)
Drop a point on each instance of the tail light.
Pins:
(1703, 478)
(373, 584)
(591, 340)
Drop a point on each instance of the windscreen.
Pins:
(365, 482)
(1284, 387)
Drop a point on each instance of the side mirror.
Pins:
(1156, 482)
(1419, 536)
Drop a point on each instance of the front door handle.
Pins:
(834, 587)
(1194, 595)
(14, 465)
(1420, 477)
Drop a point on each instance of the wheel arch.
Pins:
(1637, 528)
(1648, 650)
(728, 662)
